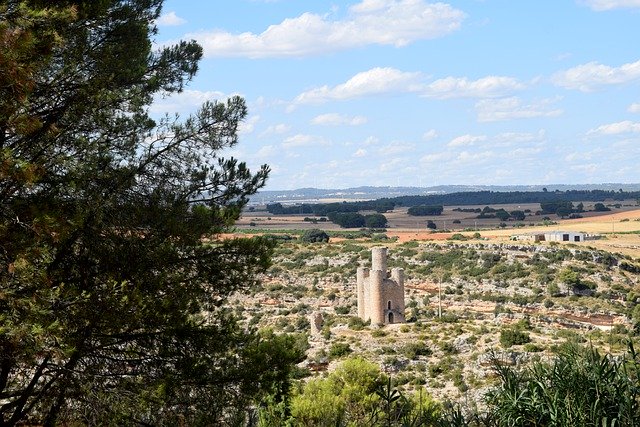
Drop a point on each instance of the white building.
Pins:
(551, 236)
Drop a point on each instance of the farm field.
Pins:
(619, 228)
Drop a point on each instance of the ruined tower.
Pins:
(380, 298)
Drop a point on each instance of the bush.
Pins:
(579, 388)
(314, 235)
(339, 349)
(342, 309)
(513, 336)
(417, 348)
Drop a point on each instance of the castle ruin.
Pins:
(380, 298)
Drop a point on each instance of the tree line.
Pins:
(431, 204)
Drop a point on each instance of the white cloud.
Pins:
(396, 147)
(587, 77)
(590, 168)
(370, 22)
(372, 82)
(170, 19)
(601, 5)
(249, 125)
(466, 156)
(302, 140)
(486, 87)
(334, 119)
(584, 156)
(393, 165)
(466, 140)
(278, 129)
(618, 128)
(266, 151)
(387, 80)
(187, 101)
(371, 140)
(507, 139)
(491, 110)
(429, 135)
(634, 108)
(522, 152)
(435, 157)
(360, 153)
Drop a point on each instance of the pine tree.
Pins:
(112, 305)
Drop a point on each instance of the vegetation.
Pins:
(112, 309)
(314, 235)
(358, 394)
(550, 202)
(580, 387)
(425, 210)
(375, 221)
(348, 220)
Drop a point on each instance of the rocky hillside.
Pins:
(512, 302)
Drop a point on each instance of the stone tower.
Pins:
(380, 298)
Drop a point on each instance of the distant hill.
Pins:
(311, 195)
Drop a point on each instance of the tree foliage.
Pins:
(560, 207)
(348, 219)
(376, 220)
(600, 207)
(314, 235)
(425, 210)
(112, 308)
(358, 394)
(518, 215)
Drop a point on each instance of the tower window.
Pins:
(389, 305)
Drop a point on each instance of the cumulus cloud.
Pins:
(361, 152)
(248, 126)
(507, 139)
(435, 157)
(461, 87)
(618, 128)
(334, 119)
(588, 77)
(266, 151)
(512, 108)
(371, 140)
(396, 147)
(376, 81)
(170, 19)
(370, 22)
(466, 140)
(387, 80)
(429, 135)
(602, 5)
(302, 140)
(634, 108)
(466, 156)
(278, 129)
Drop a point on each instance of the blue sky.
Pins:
(419, 93)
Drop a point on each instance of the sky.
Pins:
(418, 93)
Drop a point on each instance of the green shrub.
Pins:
(513, 336)
(339, 349)
(314, 235)
(580, 387)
